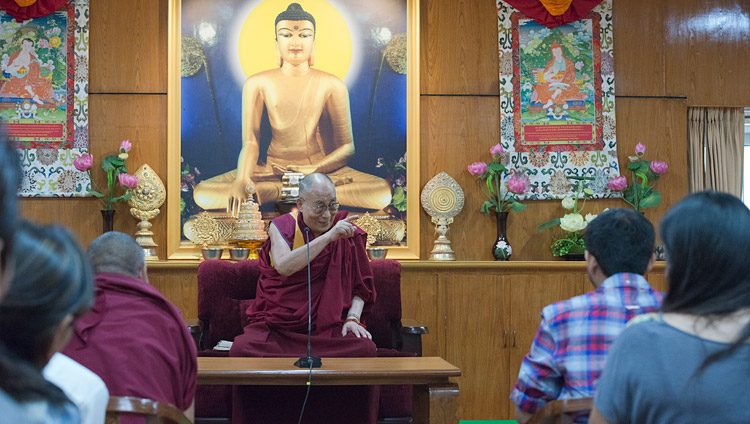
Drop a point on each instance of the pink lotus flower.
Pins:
(127, 180)
(477, 168)
(125, 146)
(659, 167)
(618, 183)
(83, 162)
(640, 149)
(516, 184)
(496, 150)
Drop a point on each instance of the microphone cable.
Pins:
(309, 326)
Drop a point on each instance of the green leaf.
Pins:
(399, 199)
(490, 187)
(487, 207)
(638, 166)
(651, 199)
(124, 197)
(549, 224)
(517, 207)
(96, 193)
(496, 168)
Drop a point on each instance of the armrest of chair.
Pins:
(411, 336)
(196, 329)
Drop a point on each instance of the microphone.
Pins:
(308, 361)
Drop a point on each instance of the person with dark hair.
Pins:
(10, 173)
(133, 337)
(691, 362)
(342, 290)
(570, 347)
(52, 287)
(311, 128)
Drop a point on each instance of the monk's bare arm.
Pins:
(252, 111)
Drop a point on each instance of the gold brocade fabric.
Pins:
(556, 7)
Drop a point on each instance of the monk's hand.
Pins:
(343, 228)
(356, 329)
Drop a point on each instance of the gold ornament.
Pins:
(442, 198)
(370, 225)
(205, 230)
(145, 200)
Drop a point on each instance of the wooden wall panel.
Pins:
(476, 342)
(113, 118)
(419, 301)
(707, 45)
(638, 31)
(128, 48)
(458, 47)
(180, 286)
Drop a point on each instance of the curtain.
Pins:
(553, 13)
(715, 149)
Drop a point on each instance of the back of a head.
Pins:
(707, 241)
(117, 253)
(10, 174)
(52, 280)
(621, 240)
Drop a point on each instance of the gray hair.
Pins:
(117, 253)
(306, 184)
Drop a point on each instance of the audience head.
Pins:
(620, 240)
(10, 173)
(707, 241)
(53, 285)
(117, 253)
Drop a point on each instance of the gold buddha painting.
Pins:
(273, 87)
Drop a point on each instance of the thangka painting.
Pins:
(558, 101)
(44, 97)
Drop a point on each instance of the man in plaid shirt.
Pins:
(570, 347)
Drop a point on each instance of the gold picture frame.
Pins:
(178, 249)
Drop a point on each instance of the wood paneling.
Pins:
(128, 47)
(477, 340)
(459, 47)
(638, 32)
(180, 286)
(113, 118)
(419, 301)
(707, 45)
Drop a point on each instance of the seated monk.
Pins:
(26, 79)
(558, 82)
(277, 320)
(311, 128)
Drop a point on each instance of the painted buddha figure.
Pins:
(308, 110)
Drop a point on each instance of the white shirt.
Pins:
(84, 388)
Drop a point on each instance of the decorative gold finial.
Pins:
(205, 230)
(145, 200)
(442, 198)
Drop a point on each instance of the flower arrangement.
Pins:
(114, 166)
(491, 176)
(572, 223)
(394, 171)
(639, 194)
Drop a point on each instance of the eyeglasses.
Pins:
(320, 207)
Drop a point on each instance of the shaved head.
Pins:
(310, 181)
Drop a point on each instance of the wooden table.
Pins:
(435, 397)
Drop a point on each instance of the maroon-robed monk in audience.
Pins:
(342, 288)
(133, 337)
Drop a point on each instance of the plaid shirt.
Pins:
(570, 347)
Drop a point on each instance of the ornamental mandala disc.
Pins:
(442, 197)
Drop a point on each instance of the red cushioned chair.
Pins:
(225, 290)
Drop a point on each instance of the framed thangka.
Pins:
(44, 97)
(250, 102)
(558, 101)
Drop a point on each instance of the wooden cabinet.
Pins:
(490, 322)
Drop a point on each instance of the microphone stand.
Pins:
(308, 361)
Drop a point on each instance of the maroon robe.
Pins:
(137, 342)
(277, 327)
